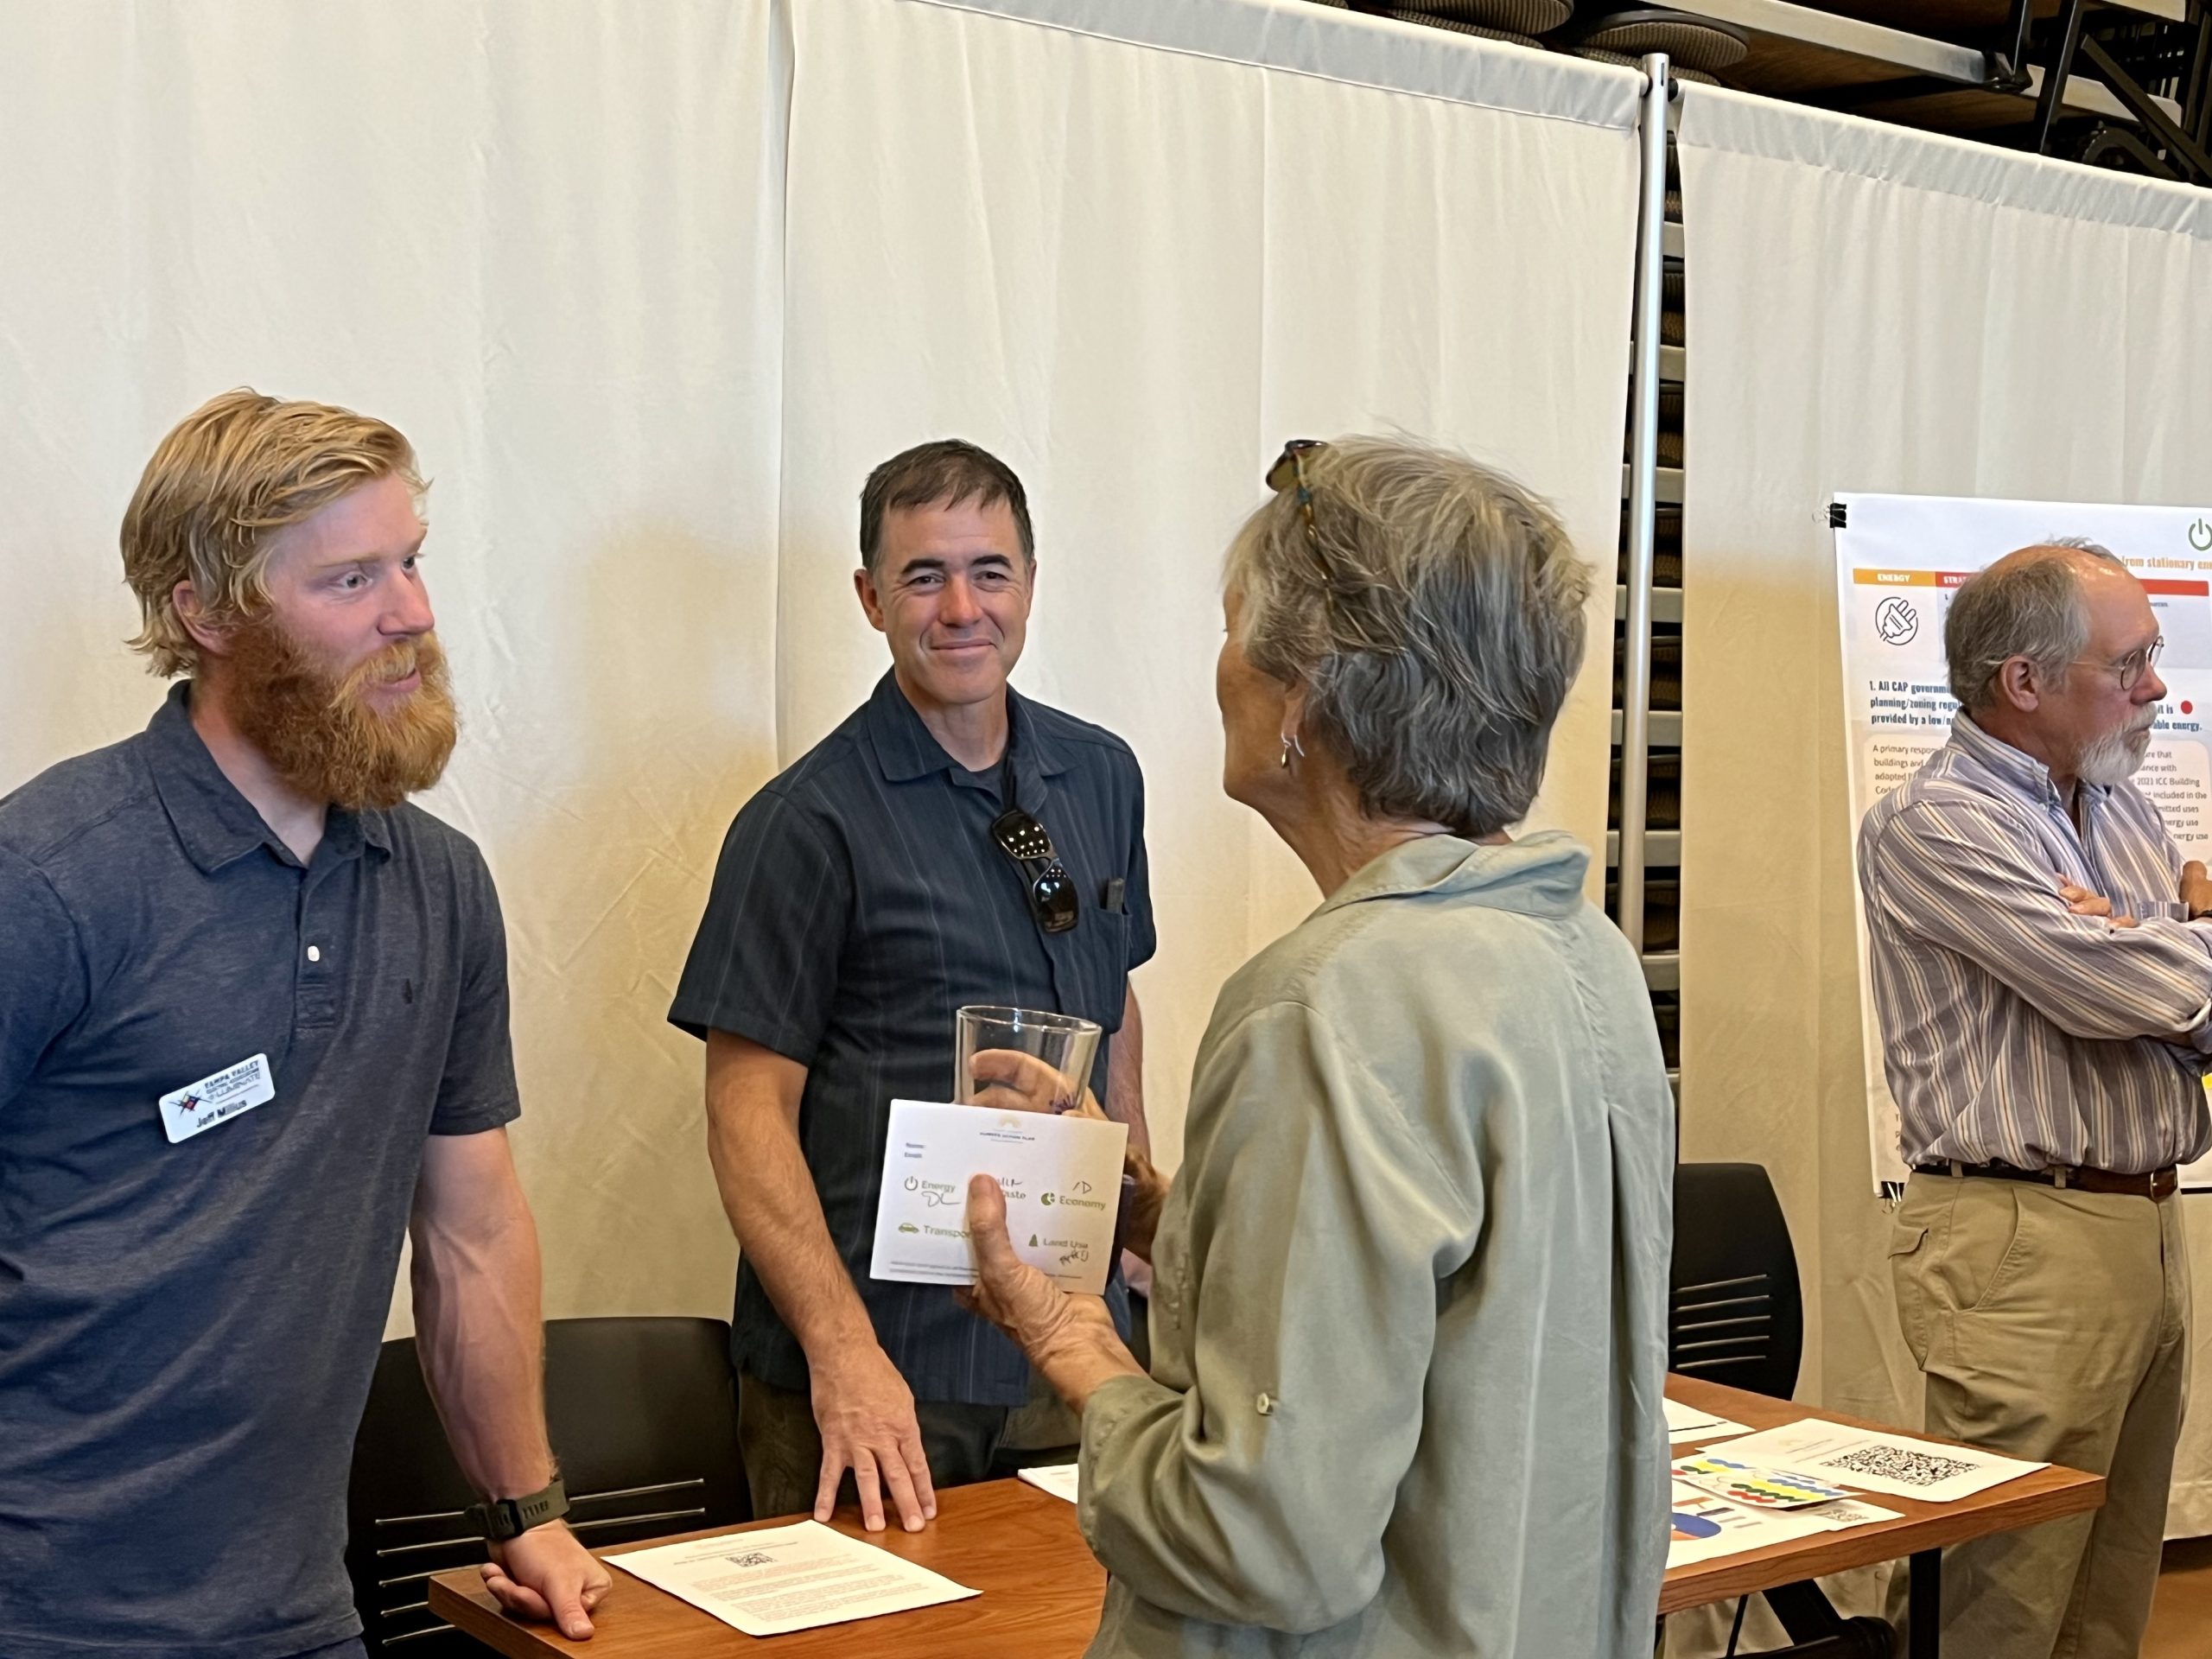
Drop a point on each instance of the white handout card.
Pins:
(1061, 1175)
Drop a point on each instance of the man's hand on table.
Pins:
(547, 1576)
(865, 1413)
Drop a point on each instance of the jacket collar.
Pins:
(1539, 875)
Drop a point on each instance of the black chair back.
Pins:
(1734, 1313)
(643, 1414)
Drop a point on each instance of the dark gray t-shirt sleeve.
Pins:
(478, 1091)
(764, 965)
(44, 981)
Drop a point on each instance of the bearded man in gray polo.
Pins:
(2044, 983)
(254, 1031)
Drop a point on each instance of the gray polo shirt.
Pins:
(860, 901)
(187, 1329)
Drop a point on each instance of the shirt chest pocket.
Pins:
(1101, 976)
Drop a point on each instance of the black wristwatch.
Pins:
(501, 1518)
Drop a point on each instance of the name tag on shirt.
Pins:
(202, 1105)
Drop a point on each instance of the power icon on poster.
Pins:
(2200, 537)
(1897, 619)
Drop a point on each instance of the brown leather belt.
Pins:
(2156, 1184)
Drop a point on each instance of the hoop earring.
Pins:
(1291, 745)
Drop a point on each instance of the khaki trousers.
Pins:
(2051, 1325)
(783, 1449)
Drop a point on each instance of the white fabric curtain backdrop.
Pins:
(1131, 244)
(550, 252)
(1132, 248)
(1871, 309)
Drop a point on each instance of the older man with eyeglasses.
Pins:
(2043, 978)
(952, 842)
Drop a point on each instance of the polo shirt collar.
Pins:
(2014, 768)
(216, 825)
(905, 749)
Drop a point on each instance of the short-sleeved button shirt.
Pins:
(860, 901)
(187, 1331)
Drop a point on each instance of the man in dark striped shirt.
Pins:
(2044, 986)
(861, 898)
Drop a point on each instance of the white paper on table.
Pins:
(1719, 1429)
(1703, 1526)
(1061, 1175)
(1873, 1461)
(777, 1579)
(1686, 1423)
(1058, 1478)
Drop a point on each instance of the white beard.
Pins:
(2113, 758)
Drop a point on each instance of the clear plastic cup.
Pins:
(1023, 1058)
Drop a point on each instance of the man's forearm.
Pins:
(478, 1327)
(769, 1195)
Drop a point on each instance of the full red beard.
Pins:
(318, 730)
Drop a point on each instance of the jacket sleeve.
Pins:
(1310, 1237)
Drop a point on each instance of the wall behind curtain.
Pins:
(1131, 244)
(1132, 248)
(547, 248)
(1871, 308)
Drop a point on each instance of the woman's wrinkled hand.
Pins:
(1021, 1300)
(1022, 1082)
(1007, 1079)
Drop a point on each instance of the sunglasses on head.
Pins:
(1348, 600)
(1290, 473)
(1052, 892)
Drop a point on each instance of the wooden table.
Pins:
(1041, 1588)
(1921, 1532)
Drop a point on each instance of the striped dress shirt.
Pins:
(2014, 1030)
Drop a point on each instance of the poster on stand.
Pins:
(1898, 559)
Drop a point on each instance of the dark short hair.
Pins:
(944, 473)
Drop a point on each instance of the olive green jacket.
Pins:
(1410, 1308)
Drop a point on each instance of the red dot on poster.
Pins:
(2186, 707)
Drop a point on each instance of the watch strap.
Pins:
(501, 1518)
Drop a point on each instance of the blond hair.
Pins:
(229, 475)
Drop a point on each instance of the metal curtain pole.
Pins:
(1643, 494)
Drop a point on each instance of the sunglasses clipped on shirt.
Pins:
(1051, 889)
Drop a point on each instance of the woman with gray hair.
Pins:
(1409, 1323)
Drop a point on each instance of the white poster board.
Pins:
(1898, 559)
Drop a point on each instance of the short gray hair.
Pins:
(2031, 608)
(1436, 627)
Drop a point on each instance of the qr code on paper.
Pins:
(1895, 1463)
